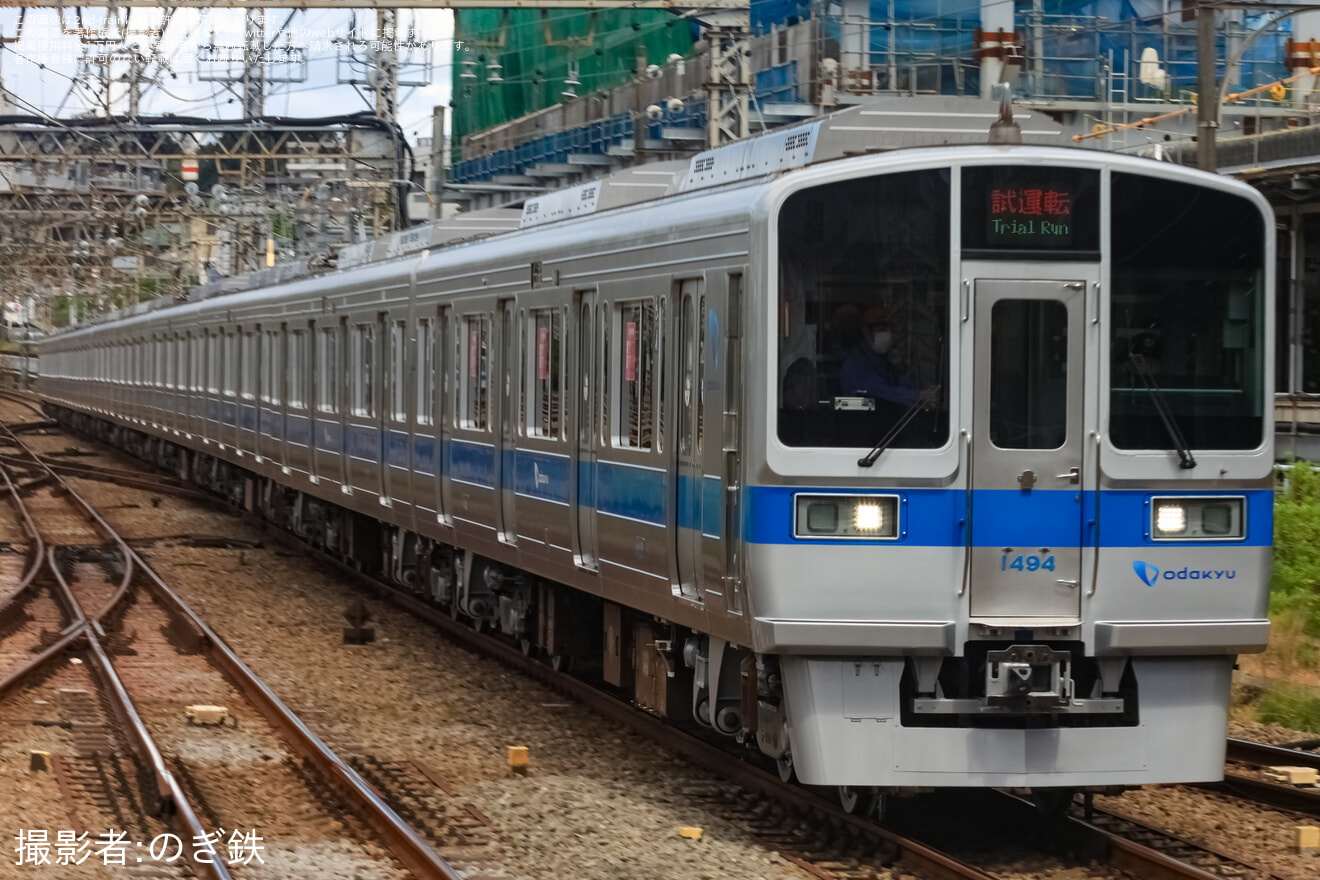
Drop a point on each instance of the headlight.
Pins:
(1201, 518)
(846, 516)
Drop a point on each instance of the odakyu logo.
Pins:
(1149, 574)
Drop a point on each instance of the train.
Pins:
(939, 466)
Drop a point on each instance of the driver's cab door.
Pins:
(1028, 447)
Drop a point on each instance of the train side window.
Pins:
(546, 402)
(297, 369)
(364, 362)
(267, 377)
(245, 369)
(213, 360)
(181, 363)
(327, 371)
(475, 404)
(638, 345)
(425, 372)
(272, 366)
(399, 371)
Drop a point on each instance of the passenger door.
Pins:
(1027, 448)
(506, 438)
(582, 486)
(689, 485)
(330, 393)
(364, 425)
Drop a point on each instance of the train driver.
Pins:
(874, 368)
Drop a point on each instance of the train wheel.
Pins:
(860, 800)
(785, 767)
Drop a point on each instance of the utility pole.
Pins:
(1207, 91)
(437, 182)
(254, 107)
(642, 125)
(137, 67)
(387, 108)
(254, 64)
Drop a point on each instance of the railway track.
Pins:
(1242, 779)
(94, 783)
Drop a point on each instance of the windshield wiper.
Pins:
(1185, 459)
(870, 457)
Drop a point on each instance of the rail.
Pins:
(403, 842)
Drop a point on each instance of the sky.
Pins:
(42, 75)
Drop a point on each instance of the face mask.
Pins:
(881, 341)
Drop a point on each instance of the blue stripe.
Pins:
(396, 449)
(1013, 518)
(364, 442)
(299, 429)
(329, 436)
(1004, 518)
(249, 416)
(633, 492)
(538, 475)
(586, 485)
(472, 462)
(929, 517)
(424, 455)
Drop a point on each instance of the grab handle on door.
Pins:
(1073, 476)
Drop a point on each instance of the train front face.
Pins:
(1013, 519)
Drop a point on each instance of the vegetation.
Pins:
(1295, 600)
(1293, 707)
(1295, 592)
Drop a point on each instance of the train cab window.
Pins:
(864, 312)
(399, 371)
(327, 371)
(363, 401)
(635, 372)
(544, 371)
(1187, 321)
(425, 372)
(475, 385)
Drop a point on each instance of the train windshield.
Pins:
(1187, 316)
(863, 312)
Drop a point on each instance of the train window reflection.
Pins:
(327, 371)
(638, 342)
(1187, 315)
(476, 372)
(546, 399)
(1028, 374)
(425, 372)
(863, 310)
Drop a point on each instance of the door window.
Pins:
(1028, 374)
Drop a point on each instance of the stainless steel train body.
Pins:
(656, 420)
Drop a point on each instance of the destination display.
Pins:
(1014, 209)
